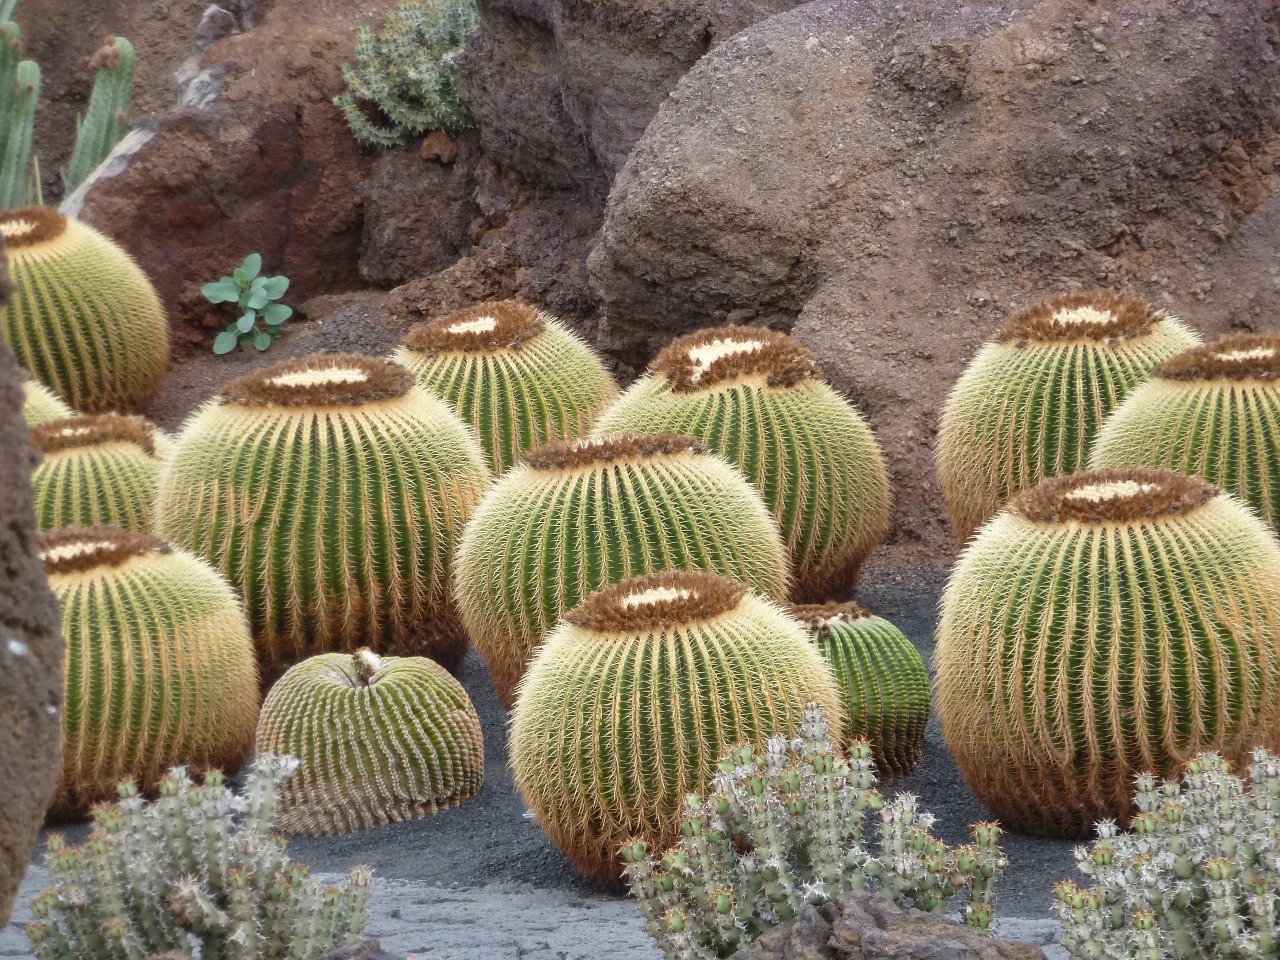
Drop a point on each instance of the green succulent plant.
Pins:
(579, 515)
(1030, 404)
(753, 396)
(634, 697)
(40, 404)
(1106, 623)
(379, 740)
(253, 295)
(517, 376)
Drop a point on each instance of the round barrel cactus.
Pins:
(95, 470)
(636, 695)
(882, 679)
(40, 404)
(160, 666)
(515, 374)
(331, 491)
(1031, 402)
(1213, 412)
(579, 515)
(1104, 624)
(753, 396)
(84, 319)
(378, 740)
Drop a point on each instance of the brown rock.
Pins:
(440, 147)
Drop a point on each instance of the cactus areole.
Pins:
(722, 355)
(485, 327)
(321, 381)
(1099, 315)
(1244, 356)
(78, 433)
(75, 550)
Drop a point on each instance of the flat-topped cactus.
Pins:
(1214, 412)
(1030, 404)
(754, 396)
(579, 515)
(882, 679)
(515, 374)
(636, 695)
(159, 667)
(330, 490)
(378, 739)
(1103, 624)
(95, 470)
(40, 404)
(84, 319)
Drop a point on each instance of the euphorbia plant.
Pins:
(254, 295)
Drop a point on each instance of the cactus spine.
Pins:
(40, 404)
(106, 119)
(1103, 624)
(633, 698)
(1030, 403)
(328, 710)
(753, 396)
(516, 375)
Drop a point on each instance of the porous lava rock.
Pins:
(887, 179)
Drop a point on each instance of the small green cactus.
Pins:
(106, 119)
(40, 404)
(429, 754)
(197, 873)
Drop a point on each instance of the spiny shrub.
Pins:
(637, 693)
(784, 828)
(379, 739)
(98, 470)
(882, 679)
(159, 663)
(198, 873)
(754, 396)
(84, 319)
(330, 490)
(40, 404)
(582, 514)
(1214, 412)
(1031, 402)
(518, 376)
(1198, 878)
(1102, 624)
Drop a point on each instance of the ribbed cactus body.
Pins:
(84, 318)
(1212, 412)
(637, 694)
(159, 667)
(882, 679)
(96, 470)
(517, 376)
(379, 740)
(40, 404)
(330, 490)
(1101, 625)
(1030, 404)
(580, 515)
(753, 396)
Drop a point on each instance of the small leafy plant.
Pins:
(260, 319)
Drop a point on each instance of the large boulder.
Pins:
(888, 178)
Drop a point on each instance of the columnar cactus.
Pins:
(19, 97)
(882, 679)
(40, 404)
(329, 709)
(1214, 412)
(582, 514)
(1102, 624)
(97, 470)
(638, 692)
(159, 665)
(754, 396)
(1030, 403)
(516, 375)
(330, 490)
(198, 873)
(106, 118)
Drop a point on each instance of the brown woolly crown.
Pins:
(1113, 496)
(71, 433)
(817, 617)
(657, 601)
(29, 226)
(80, 549)
(1082, 315)
(496, 325)
(1242, 356)
(321, 380)
(694, 362)
(586, 452)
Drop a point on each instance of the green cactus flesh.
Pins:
(106, 119)
(40, 404)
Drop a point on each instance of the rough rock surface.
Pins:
(888, 178)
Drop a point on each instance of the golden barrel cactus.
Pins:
(636, 695)
(1103, 624)
(40, 404)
